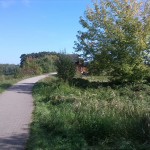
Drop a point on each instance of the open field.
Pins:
(90, 116)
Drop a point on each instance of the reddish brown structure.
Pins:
(81, 66)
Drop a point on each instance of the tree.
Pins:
(38, 63)
(65, 67)
(39, 55)
(47, 63)
(116, 36)
(30, 67)
(8, 69)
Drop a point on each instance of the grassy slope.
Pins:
(101, 117)
(6, 83)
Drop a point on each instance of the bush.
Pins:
(79, 82)
(65, 67)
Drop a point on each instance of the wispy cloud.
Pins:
(7, 3)
(26, 2)
(10, 3)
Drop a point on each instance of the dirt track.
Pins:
(16, 106)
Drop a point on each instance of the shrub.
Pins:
(79, 82)
(65, 67)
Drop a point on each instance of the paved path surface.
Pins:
(16, 106)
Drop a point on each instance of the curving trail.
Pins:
(16, 106)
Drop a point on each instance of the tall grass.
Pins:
(103, 117)
(6, 81)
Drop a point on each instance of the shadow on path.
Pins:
(14, 142)
(25, 88)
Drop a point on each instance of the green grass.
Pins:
(97, 78)
(6, 82)
(90, 116)
(9, 80)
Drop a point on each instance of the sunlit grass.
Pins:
(97, 78)
(96, 117)
(6, 82)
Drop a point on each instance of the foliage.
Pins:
(31, 67)
(116, 36)
(47, 63)
(6, 82)
(8, 69)
(106, 117)
(65, 67)
(24, 57)
(38, 63)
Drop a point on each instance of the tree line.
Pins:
(8, 69)
(37, 63)
(31, 64)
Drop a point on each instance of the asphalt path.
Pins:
(16, 106)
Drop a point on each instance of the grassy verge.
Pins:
(6, 82)
(87, 117)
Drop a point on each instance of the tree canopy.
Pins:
(38, 63)
(66, 66)
(117, 37)
(8, 69)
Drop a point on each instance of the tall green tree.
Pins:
(65, 67)
(116, 36)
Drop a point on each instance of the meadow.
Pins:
(90, 114)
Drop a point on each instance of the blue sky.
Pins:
(28, 26)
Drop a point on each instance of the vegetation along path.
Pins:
(16, 106)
